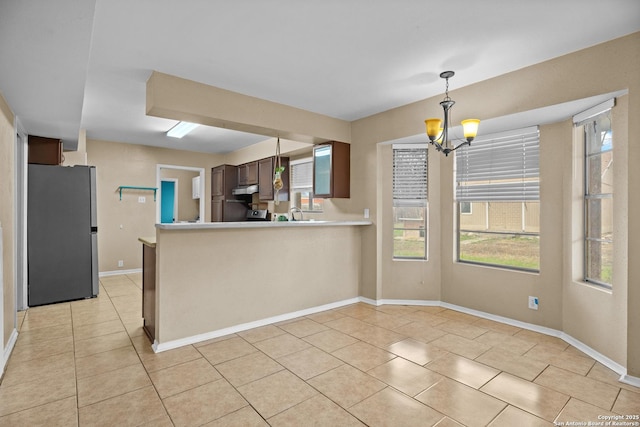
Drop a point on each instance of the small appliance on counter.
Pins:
(258, 215)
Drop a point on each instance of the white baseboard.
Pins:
(7, 351)
(628, 379)
(606, 361)
(119, 272)
(170, 345)
(614, 366)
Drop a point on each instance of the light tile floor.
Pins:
(89, 363)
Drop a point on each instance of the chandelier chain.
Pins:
(446, 90)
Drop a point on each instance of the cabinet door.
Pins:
(322, 181)
(252, 173)
(248, 174)
(265, 170)
(44, 151)
(217, 182)
(217, 213)
(242, 175)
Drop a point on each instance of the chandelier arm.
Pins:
(461, 145)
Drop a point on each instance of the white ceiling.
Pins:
(82, 64)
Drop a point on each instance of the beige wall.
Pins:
(121, 222)
(7, 215)
(498, 291)
(231, 282)
(504, 292)
(181, 99)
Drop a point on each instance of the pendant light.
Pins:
(438, 132)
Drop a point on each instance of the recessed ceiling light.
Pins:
(181, 129)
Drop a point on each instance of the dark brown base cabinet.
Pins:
(149, 290)
(217, 212)
(224, 207)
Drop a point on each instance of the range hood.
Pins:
(240, 191)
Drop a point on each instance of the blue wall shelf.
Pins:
(131, 187)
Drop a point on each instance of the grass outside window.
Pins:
(504, 250)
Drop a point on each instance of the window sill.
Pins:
(499, 267)
(594, 286)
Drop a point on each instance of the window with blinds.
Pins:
(410, 194)
(503, 167)
(498, 197)
(410, 180)
(301, 186)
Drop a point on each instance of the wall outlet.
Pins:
(142, 199)
(533, 303)
(366, 213)
(120, 263)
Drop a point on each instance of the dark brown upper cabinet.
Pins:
(44, 151)
(331, 170)
(248, 174)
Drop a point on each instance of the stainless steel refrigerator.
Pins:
(62, 233)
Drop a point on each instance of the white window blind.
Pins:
(410, 176)
(500, 167)
(302, 175)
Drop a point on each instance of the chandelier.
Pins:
(438, 132)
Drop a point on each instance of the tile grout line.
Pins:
(75, 372)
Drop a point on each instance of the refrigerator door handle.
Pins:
(94, 207)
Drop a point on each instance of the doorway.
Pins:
(187, 200)
(168, 200)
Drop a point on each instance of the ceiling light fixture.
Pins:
(438, 132)
(181, 129)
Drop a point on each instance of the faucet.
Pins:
(296, 209)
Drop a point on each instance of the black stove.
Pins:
(258, 215)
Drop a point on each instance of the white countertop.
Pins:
(257, 224)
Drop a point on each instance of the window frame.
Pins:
(588, 196)
(292, 189)
(397, 202)
(488, 201)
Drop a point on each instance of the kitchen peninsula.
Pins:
(213, 279)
